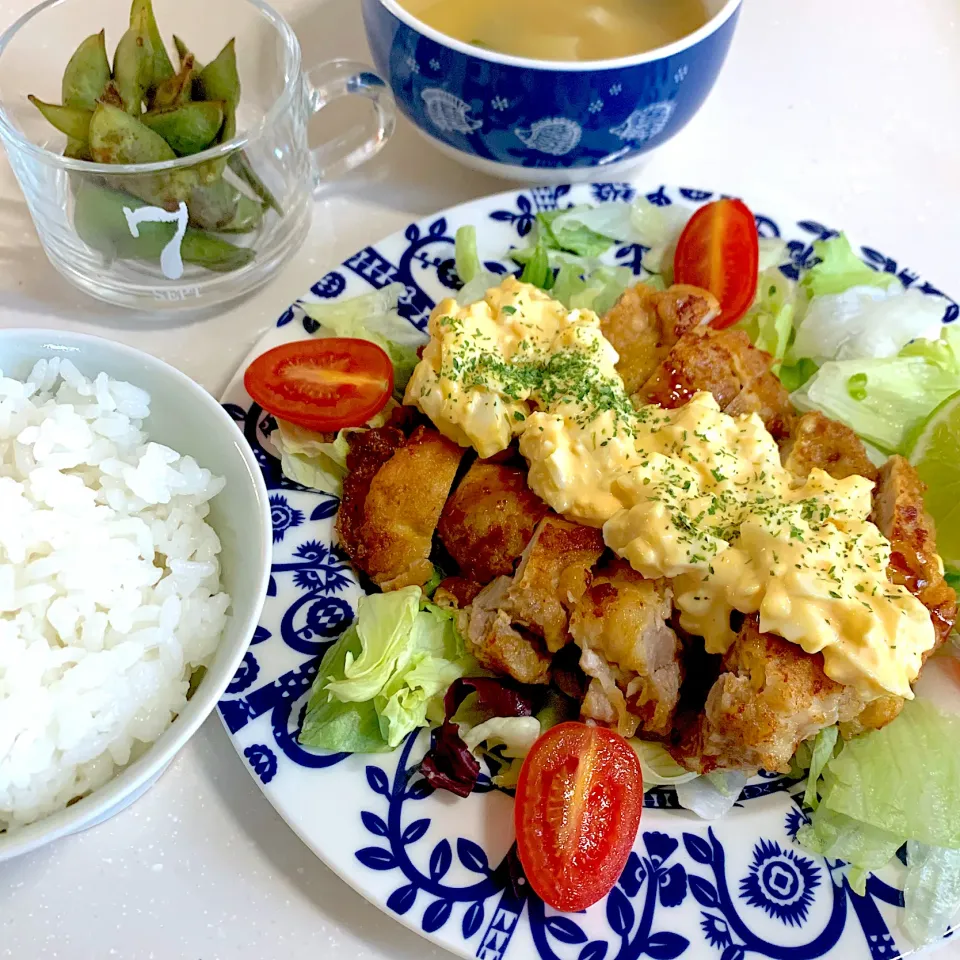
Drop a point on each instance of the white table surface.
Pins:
(846, 110)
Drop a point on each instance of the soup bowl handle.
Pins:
(342, 78)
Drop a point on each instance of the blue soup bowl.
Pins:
(545, 121)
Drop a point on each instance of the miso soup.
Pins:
(563, 29)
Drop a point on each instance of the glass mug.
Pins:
(192, 232)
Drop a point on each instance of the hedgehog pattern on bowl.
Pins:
(542, 121)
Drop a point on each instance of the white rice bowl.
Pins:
(110, 595)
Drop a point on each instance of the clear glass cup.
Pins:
(198, 231)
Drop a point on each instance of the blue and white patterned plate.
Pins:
(726, 890)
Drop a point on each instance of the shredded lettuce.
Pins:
(659, 768)
(885, 400)
(931, 892)
(477, 288)
(898, 784)
(374, 317)
(385, 675)
(516, 735)
(611, 221)
(840, 269)
(465, 251)
(571, 230)
(820, 755)
(865, 322)
(597, 290)
(904, 779)
(839, 837)
(538, 270)
(332, 724)
(658, 229)
(711, 796)
(773, 252)
(769, 322)
(313, 459)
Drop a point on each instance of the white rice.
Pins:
(109, 585)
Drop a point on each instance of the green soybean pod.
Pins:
(133, 65)
(141, 12)
(86, 74)
(176, 89)
(118, 138)
(222, 207)
(189, 128)
(73, 121)
(100, 221)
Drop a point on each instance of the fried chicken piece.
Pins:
(456, 593)
(899, 513)
(817, 442)
(402, 507)
(645, 323)
(369, 451)
(497, 644)
(489, 520)
(874, 716)
(769, 400)
(770, 697)
(726, 364)
(629, 650)
(553, 574)
(721, 362)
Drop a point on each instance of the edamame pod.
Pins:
(141, 12)
(189, 128)
(183, 51)
(222, 207)
(86, 74)
(240, 165)
(220, 80)
(133, 65)
(116, 137)
(101, 223)
(73, 121)
(77, 149)
(176, 89)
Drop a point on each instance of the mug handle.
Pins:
(340, 78)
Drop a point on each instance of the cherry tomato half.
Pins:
(719, 251)
(578, 805)
(325, 384)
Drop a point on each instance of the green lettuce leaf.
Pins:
(893, 786)
(931, 892)
(839, 837)
(597, 290)
(465, 251)
(658, 229)
(386, 676)
(769, 322)
(312, 459)
(659, 768)
(840, 269)
(882, 400)
(794, 375)
(537, 270)
(904, 779)
(403, 702)
(385, 624)
(374, 317)
(568, 230)
(820, 755)
(331, 724)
